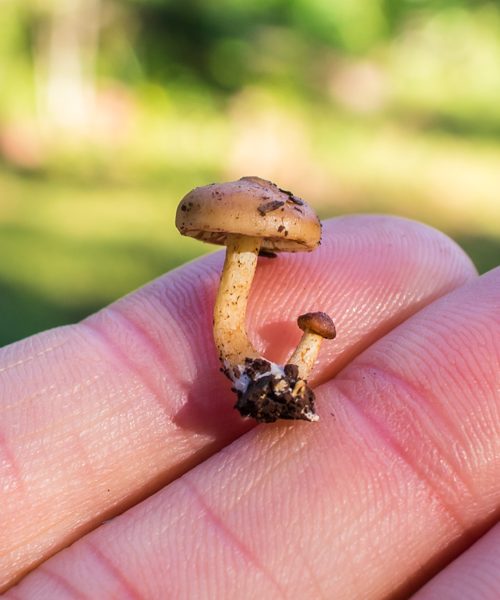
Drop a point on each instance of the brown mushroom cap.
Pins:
(318, 322)
(250, 206)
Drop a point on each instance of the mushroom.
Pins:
(316, 326)
(252, 216)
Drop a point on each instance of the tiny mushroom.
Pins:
(316, 326)
(253, 216)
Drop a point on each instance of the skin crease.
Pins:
(112, 420)
(474, 575)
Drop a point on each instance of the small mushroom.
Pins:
(251, 216)
(316, 326)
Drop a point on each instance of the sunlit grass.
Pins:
(70, 246)
(68, 249)
(405, 123)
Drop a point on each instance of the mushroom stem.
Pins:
(316, 327)
(230, 333)
(306, 353)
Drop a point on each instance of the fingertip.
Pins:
(159, 405)
(370, 273)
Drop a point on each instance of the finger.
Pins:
(474, 575)
(366, 504)
(99, 415)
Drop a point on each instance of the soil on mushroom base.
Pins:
(270, 397)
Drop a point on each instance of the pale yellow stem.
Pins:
(230, 309)
(306, 353)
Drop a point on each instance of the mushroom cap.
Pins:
(319, 323)
(253, 207)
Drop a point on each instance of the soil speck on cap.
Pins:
(292, 197)
(269, 206)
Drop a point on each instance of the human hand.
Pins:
(401, 473)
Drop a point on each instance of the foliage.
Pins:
(109, 113)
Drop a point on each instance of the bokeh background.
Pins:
(111, 110)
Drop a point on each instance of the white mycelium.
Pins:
(242, 382)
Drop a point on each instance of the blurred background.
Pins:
(110, 111)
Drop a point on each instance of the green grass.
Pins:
(69, 247)
(404, 122)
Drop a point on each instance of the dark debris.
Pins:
(269, 397)
(267, 253)
(270, 206)
(292, 197)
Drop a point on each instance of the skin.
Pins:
(474, 575)
(400, 475)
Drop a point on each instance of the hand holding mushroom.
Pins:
(250, 216)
